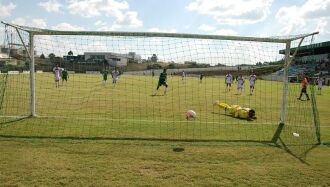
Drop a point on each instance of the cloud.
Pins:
(5, 10)
(100, 23)
(212, 30)
(312, 15)
(103, 26)
(233, 12)
(206, 28)
(124, 17)
(39, 23)
(229, 32)
(51, 5)
(129, 19)
(68, 27)
(92, 8)
(85, 8)
(155, 29)
(19, 21)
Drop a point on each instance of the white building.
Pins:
(114, 59)
(135, 57)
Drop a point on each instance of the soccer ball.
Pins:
(190, 115)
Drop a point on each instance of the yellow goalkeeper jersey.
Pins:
(235, 110)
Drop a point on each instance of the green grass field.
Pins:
(221, 150)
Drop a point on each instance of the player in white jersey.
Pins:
(183, 75)
(252, 80)
(57, 71)
(114, 74)
(319, 82)
(240, 84)
(228, 80)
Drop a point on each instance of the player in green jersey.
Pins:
(162, 81)
(65, 75)
(105, 76)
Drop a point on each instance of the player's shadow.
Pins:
(157, 95)
(303, 100)
(228, 115)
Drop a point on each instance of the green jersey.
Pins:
(162, 77)
(64, 74)
(105, 75)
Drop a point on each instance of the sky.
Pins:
(237, 17)
(258, 18)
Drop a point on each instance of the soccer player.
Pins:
(152, 73)
(252, 80)
(240, 84)
(162, 81)
(57, 70)
(228, 80)
(319, 82)
(304, 84)
(183, 76)
(237, 111)
(105, 76)
(114, 74)
(65, 75)
(201, 76)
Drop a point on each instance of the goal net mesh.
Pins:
(86, 106)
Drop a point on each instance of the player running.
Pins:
(162, 81)
(183, 76)
(114, 74)
(304, 84)
(252, 79)
(105, 76)
(319, 82)
(228, 81)
(237, 111)
(240, 84)
(201, 76)
(57, 71)
(65, 75)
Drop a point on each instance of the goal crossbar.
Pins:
(38, 31)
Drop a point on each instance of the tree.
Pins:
(154, 58)
(70, 53)
(154, 66)
(171, 66)
(42, 56)
(51, 56)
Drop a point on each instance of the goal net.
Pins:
(110, 90)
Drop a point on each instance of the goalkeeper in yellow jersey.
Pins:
(237, 111)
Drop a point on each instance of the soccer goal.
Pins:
(93, 84)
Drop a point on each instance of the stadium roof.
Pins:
(313, 49)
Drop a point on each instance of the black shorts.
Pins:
(228, 84)
(303, 90)
(161, 83)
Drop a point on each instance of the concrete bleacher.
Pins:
(295, 70)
